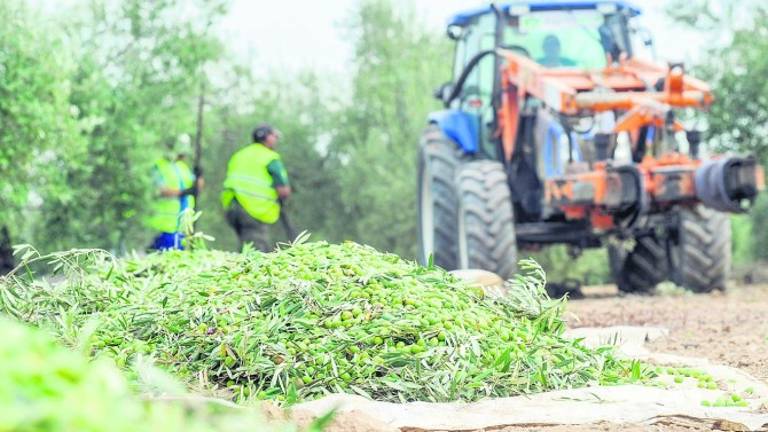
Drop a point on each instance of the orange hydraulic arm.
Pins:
(671, 179)
(621, 87)
(654, 184)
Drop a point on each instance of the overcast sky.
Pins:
(289, 35)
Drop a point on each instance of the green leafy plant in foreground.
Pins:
(45, 387)
(313, 319)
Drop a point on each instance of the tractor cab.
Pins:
(561, 34)
(554, 34)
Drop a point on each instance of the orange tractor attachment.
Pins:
(667, 180)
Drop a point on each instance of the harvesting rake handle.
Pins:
(289, 231)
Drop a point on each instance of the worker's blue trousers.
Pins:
(168, 241)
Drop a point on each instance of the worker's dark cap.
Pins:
(262, 131)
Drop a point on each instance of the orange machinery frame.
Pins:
(619, 87)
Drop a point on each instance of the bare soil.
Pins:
(728, 328)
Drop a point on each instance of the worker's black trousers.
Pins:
(248, 229)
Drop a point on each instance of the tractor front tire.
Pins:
(438, 202)
(486, 222)
(642, 268)
(701, 258)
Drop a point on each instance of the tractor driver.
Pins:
(552, 58)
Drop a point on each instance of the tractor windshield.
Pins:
(569, 38)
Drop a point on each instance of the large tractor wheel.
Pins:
(438, 203)
(701, 258)
(486, 223)
(642, 268)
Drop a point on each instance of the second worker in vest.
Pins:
(256, 184)
(176, 187)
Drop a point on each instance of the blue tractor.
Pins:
(555, 131)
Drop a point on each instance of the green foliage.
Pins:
(351, 160)
(397, 63)
(738, 118)
(89, 120)
(742, 239)
(736, 66)
(38, 132)
(590, 268)
(134, 86)
(317, 318)
(85, 103)
(44, 387)
(758, 234)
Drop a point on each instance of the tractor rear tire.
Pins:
(642, 268)
(438, 202)
(486, 222)
(701, 258)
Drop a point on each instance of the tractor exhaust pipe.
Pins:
(729, 184)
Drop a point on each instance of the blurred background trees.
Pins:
(87, 98)
(735, 65)
(82, 127)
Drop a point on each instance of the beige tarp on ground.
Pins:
(619, 404)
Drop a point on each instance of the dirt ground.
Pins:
(727, 328)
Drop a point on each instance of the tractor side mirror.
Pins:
(454, 32)
(608, 41)
(443, 92)
(646, 38)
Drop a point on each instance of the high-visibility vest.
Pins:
(249, 181)
(165, 212)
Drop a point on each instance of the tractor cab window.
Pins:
(477, 93)
(562, 39)
(477, 37)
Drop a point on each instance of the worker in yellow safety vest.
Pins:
(255, 187)
(175, 190)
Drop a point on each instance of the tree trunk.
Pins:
(7, 263)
